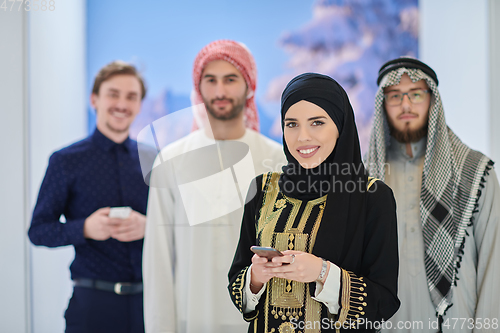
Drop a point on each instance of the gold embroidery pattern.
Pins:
(286, 299)
(317, 223)
(353, 298)
(264, 179)
(280, 203)
(237, 289)
(286, 328)
(268, 218)
(313, 313)
(371, 181)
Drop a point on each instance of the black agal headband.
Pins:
(406, 62)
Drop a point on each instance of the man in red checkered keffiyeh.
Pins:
(238, 56)
(196, 207)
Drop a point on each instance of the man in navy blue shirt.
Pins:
(82, 183)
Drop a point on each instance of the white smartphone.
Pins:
(120, 212)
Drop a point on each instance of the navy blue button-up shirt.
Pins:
(81, 178)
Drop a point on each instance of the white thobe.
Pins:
(185, 266)
(476, 298)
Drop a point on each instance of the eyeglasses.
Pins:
(395, 98)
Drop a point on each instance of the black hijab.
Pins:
(343, 168)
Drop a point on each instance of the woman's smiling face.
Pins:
(310, 133)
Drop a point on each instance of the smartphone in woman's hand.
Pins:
(266, 252)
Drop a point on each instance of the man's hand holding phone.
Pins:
(126, 225)
(122, 223)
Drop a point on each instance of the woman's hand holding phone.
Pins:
(303, 267)
(293, 265)
(260, 261)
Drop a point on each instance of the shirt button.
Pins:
(412, 229)
(412, 206)
(410, 178)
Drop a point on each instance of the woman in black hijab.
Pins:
(335, 226)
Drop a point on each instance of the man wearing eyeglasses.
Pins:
(448, 207)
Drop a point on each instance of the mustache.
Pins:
(407, 113)
(221, 99)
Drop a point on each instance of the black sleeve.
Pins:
(371, 296)
(243, 256)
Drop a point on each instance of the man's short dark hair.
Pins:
(114, 68)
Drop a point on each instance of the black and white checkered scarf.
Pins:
(451, 181)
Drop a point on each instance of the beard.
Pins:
(237, 108)
(407, 135)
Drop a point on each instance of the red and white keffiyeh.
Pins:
(240, 57)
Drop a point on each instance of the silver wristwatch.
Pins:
(324, 267)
